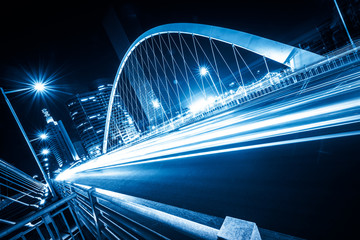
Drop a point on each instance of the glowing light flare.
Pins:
(198, 106)
(45, 151)
(156, 103)
(39, 86)
(38, 82)
(43, 136)
(202, 105)
(203, 71)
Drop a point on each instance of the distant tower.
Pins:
(88, 112)
(60, 144)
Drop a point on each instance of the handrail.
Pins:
(122, 216)
(19, 178)
(36, 215)
(17, 190)
(189, 228)
(20, 202)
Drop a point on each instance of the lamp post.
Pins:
(37, 87)
(343, 22)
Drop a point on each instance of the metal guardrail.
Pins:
(18, 181)
(23, 213)
(332, 63)
(20, 194)
(109, 215)
(56, 221)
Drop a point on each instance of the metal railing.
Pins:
(331, 63)
(109, 215)
(19, 181)
(23, 213)
(56, 221)
(20, 194)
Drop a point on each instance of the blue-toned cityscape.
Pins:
(204, 131)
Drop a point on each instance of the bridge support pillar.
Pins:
(237, 229)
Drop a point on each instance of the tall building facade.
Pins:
(88, 112)
(151, 105)
(60, 144)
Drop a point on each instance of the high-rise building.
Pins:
(88, 112)
(80, 150)
(151, 105)
(60, 144)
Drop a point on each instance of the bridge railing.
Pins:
(20, 194)
(56, 221)
(331, 63)
(18, 187)
(110, 215)
(27, 212)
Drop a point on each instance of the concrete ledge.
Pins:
(237, 229)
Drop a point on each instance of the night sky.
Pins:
(68, 42)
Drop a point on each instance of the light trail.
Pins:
(244, 127)
(270, 144)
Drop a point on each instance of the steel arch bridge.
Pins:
(175, 72)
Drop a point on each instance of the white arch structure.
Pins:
(293, 57)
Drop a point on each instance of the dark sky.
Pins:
(69, 40)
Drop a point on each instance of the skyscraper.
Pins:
(88, 112)
(60, 144)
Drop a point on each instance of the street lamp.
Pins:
(155, 103)
(203, 72)
(37, 87)
(43, 136)
(45, 151)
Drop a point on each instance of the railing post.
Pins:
(77, 221)
(95, 213)
(46, 221)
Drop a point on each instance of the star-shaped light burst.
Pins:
(39, 86)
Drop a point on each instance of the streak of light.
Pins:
(270, 144)
(238, 129)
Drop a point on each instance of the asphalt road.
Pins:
(307, 189)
